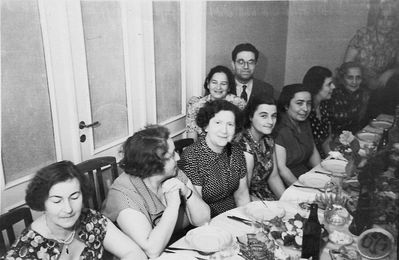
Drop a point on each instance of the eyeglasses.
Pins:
(243, 62)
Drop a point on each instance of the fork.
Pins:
(191, 249)
(264, 203)
(309, 187)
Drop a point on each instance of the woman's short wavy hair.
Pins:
(287, 94)
(252, 106)
(207, 112)
(229, 75)
(342, 70)
(38, 189)
(315, 77)
(144, 152)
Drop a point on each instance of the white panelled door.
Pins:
(80, 76)
(108, 109)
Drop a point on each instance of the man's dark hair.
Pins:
(244, 47)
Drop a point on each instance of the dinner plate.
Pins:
(258, 211)
(367, 138)
(379, 124)
(315, 180)
(334, 165)
(209, 238)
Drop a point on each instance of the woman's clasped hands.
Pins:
(172, 189)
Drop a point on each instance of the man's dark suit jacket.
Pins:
(260, 88)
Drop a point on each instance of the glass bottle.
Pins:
(311, 235)
(394, 131)
(362, 216)
(383, 141)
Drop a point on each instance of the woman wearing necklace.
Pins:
(153, 200)
(319, 81)
(296, 151)
(66, 230)
(257, 142)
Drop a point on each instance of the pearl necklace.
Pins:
(66, 241)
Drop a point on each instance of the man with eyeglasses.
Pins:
(244, 59)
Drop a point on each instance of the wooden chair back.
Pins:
(182, 143)
(95, 168)
(8, 221)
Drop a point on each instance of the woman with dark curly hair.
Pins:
(216, 166)
(66, 230)
(219, 85)
(350, 99)
(319, 81)
(256, 141)
(152, 198)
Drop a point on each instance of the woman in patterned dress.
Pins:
(66, 230)
(320, 83)
(350, 99)
(219, 85)
(376, 49)
(152, 200)
(215, 166)
(256, 141)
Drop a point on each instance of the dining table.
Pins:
(290, 201)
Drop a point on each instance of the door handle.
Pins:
(82, 124)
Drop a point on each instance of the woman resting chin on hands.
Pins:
(146, 200)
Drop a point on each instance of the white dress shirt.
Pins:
(248, 89)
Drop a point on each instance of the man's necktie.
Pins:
(244, 94)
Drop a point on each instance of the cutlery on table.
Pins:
(242, 220)
(264, 203)
(309, 187)
(329, 174)
(191, 249)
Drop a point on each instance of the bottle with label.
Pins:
(394, 131)
(383, 141)
(311, 235)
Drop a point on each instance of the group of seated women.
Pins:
(243, 152)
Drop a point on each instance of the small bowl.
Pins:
(375, 243)
(340, 238)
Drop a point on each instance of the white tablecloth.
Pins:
(296, 195)
(237, 229)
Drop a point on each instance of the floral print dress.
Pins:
(374, 56)
(91, 231)
(263, 164)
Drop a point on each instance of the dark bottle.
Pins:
(394, 131)
(383, 141)
(362, 216)
(311, 235)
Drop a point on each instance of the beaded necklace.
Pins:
(66, 241)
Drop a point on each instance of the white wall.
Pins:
(318, 33)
